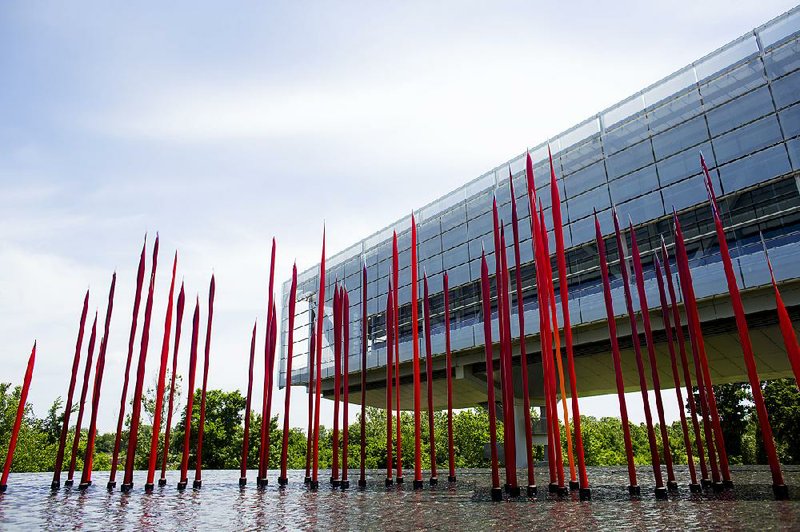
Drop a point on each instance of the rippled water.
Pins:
(221, 504)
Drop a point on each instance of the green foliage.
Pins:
(222, 445)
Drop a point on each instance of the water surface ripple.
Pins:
(221, 504)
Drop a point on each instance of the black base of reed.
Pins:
(282, 481)
(126, 487)
(552, 487)
(780, 490)
(706, 483)
(313, 485)
(55, 485)
(3, 488)
(661, 492)
(68, 483)
(634, 490)
(451, 479)
(418, 484)
(182, 485)
(197, 484)
(718, 487)
(162, 482)
(513, 491)
(84, 485)
(695, 488)
(362, 483)
(111, 485)
(563, 491)
(727, 484)
(345, 484)
(532, 490)
(307, 480)
(672, 486)
(388, 482)
(149, 487)
(585, 494)
(242, 482)
(434, 481)
(398, 480)
(574, 485)
(336, 483)
(497, 494)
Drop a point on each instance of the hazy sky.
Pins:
(220, 128)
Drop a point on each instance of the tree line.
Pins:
(224, 431)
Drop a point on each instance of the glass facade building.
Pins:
(739, 105)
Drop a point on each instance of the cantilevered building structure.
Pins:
(739, 105)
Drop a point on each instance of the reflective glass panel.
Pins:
(626, 161)
(747, 139)
(739, 111)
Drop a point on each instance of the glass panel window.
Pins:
(585, 179)
(786, 90)
(747, 139)
(794, 152)
(686, 193)
(739, 111)
(631, 159)
(455, 256)
(728, 86)
(626, 134)
(684, 164)
(731, 54)
(641, 209)
(675, 111)
(635, 184)
(790, 120)
(680, 137)
(783, 60)
(454, 236)
(780, 29)
(582, 206)
(758, 167)
(582, 155)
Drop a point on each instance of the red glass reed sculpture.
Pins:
(396, 325)
(133, 436)
(415, 346)
(429, 378)
(345, 384)
(523, 357)
(633, 487)
(187, 429)
(708, 404)
(314, 485)
(389, 364)
(778, 486)
(486, 296)
(12, 443)
(82, 403)
(337, 383)
(784, 321)
(168, 425)
(248, 401)
(694, 486)
(88, 457)
(638, 272)
(62, 439)
(563, 286)
(310, 388)
(283, 479)
(451, 456)
(263, 450)
(661, 490)
(362, 479)
(687, 377)
(162, 374)
(112, 482)
(198, 480)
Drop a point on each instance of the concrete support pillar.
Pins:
(519, 434)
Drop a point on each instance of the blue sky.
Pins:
(220, 128)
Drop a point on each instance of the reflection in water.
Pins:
(222, 504)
